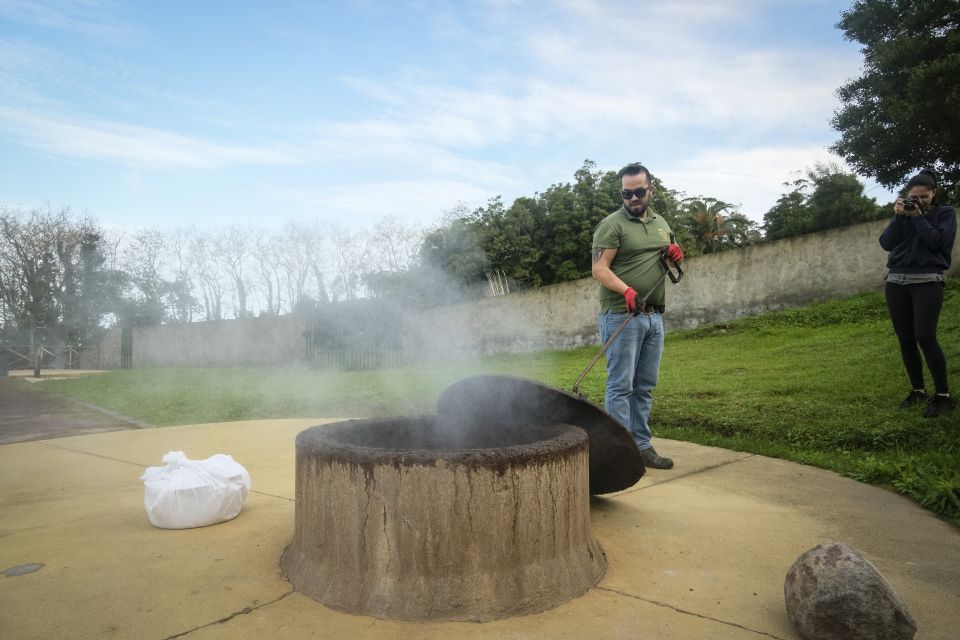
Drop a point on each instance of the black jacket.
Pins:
(921, 244)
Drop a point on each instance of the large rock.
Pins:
(834, 593)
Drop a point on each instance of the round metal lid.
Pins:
(615, 462)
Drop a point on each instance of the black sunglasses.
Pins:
(628, 195)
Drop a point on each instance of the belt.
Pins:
(650, 308)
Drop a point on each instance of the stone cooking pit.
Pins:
(459, 516)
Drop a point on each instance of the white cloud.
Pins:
(27, 71)
(390, 148)
(131, 145)
(364, 203)
(95, 19)
(375, 91)
(571, 75)
(597, 72)
(582, 78)
(696, 13)
(679, 79)
(753, 178)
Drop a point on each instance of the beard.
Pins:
(637, 211)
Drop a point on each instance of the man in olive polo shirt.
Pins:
(626, 256)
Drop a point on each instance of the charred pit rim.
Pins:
(379, 440)
(615, 461)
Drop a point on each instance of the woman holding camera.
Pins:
(920, 240)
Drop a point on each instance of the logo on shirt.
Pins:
(663, 235)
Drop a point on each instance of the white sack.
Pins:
(194, 493)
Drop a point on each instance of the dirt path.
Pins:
(29, 413)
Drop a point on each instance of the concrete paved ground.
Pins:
(26, 413)
(53, 374)
(699, 552)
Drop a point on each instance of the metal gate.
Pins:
(126, 348)
(350, 337)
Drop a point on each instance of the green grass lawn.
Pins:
(817, 385)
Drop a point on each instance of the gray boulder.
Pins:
(834, 593)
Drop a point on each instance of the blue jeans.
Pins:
(633, 364)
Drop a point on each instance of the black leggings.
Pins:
(915, 310)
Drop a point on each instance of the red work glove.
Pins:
(674, 253)
(631, 297)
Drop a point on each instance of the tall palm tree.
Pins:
(716, 225)
(706, 221)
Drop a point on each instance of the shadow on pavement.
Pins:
(27, 412)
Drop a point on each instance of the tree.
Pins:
(183, 302)
(29, 273)
(351, 255)
(268, 256)
(545, 238)
(455, 249)
(304, 250)
(838, 200)
(209, 276)
(565, 256)
(571, 214)
(789, 217)
(90, 291)
(233, 248)
(826, 197)
(393, 254)
(506, 236)
(715, 225)
(145, 263)
(393, 244)
(296, 246)
(52, 274)
(903, 113)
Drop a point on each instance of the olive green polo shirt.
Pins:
(639, 244)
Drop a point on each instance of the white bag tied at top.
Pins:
(194, 493)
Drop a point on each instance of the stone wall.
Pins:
(225, 343)
(717, 288)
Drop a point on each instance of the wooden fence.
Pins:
(51, 357)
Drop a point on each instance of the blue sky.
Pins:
(164, 114)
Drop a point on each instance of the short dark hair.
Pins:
(633, 169)
(926, 178)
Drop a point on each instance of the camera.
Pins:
(909, 204)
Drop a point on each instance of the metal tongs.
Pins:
(667, 272)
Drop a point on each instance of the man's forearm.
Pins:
(610, 280)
